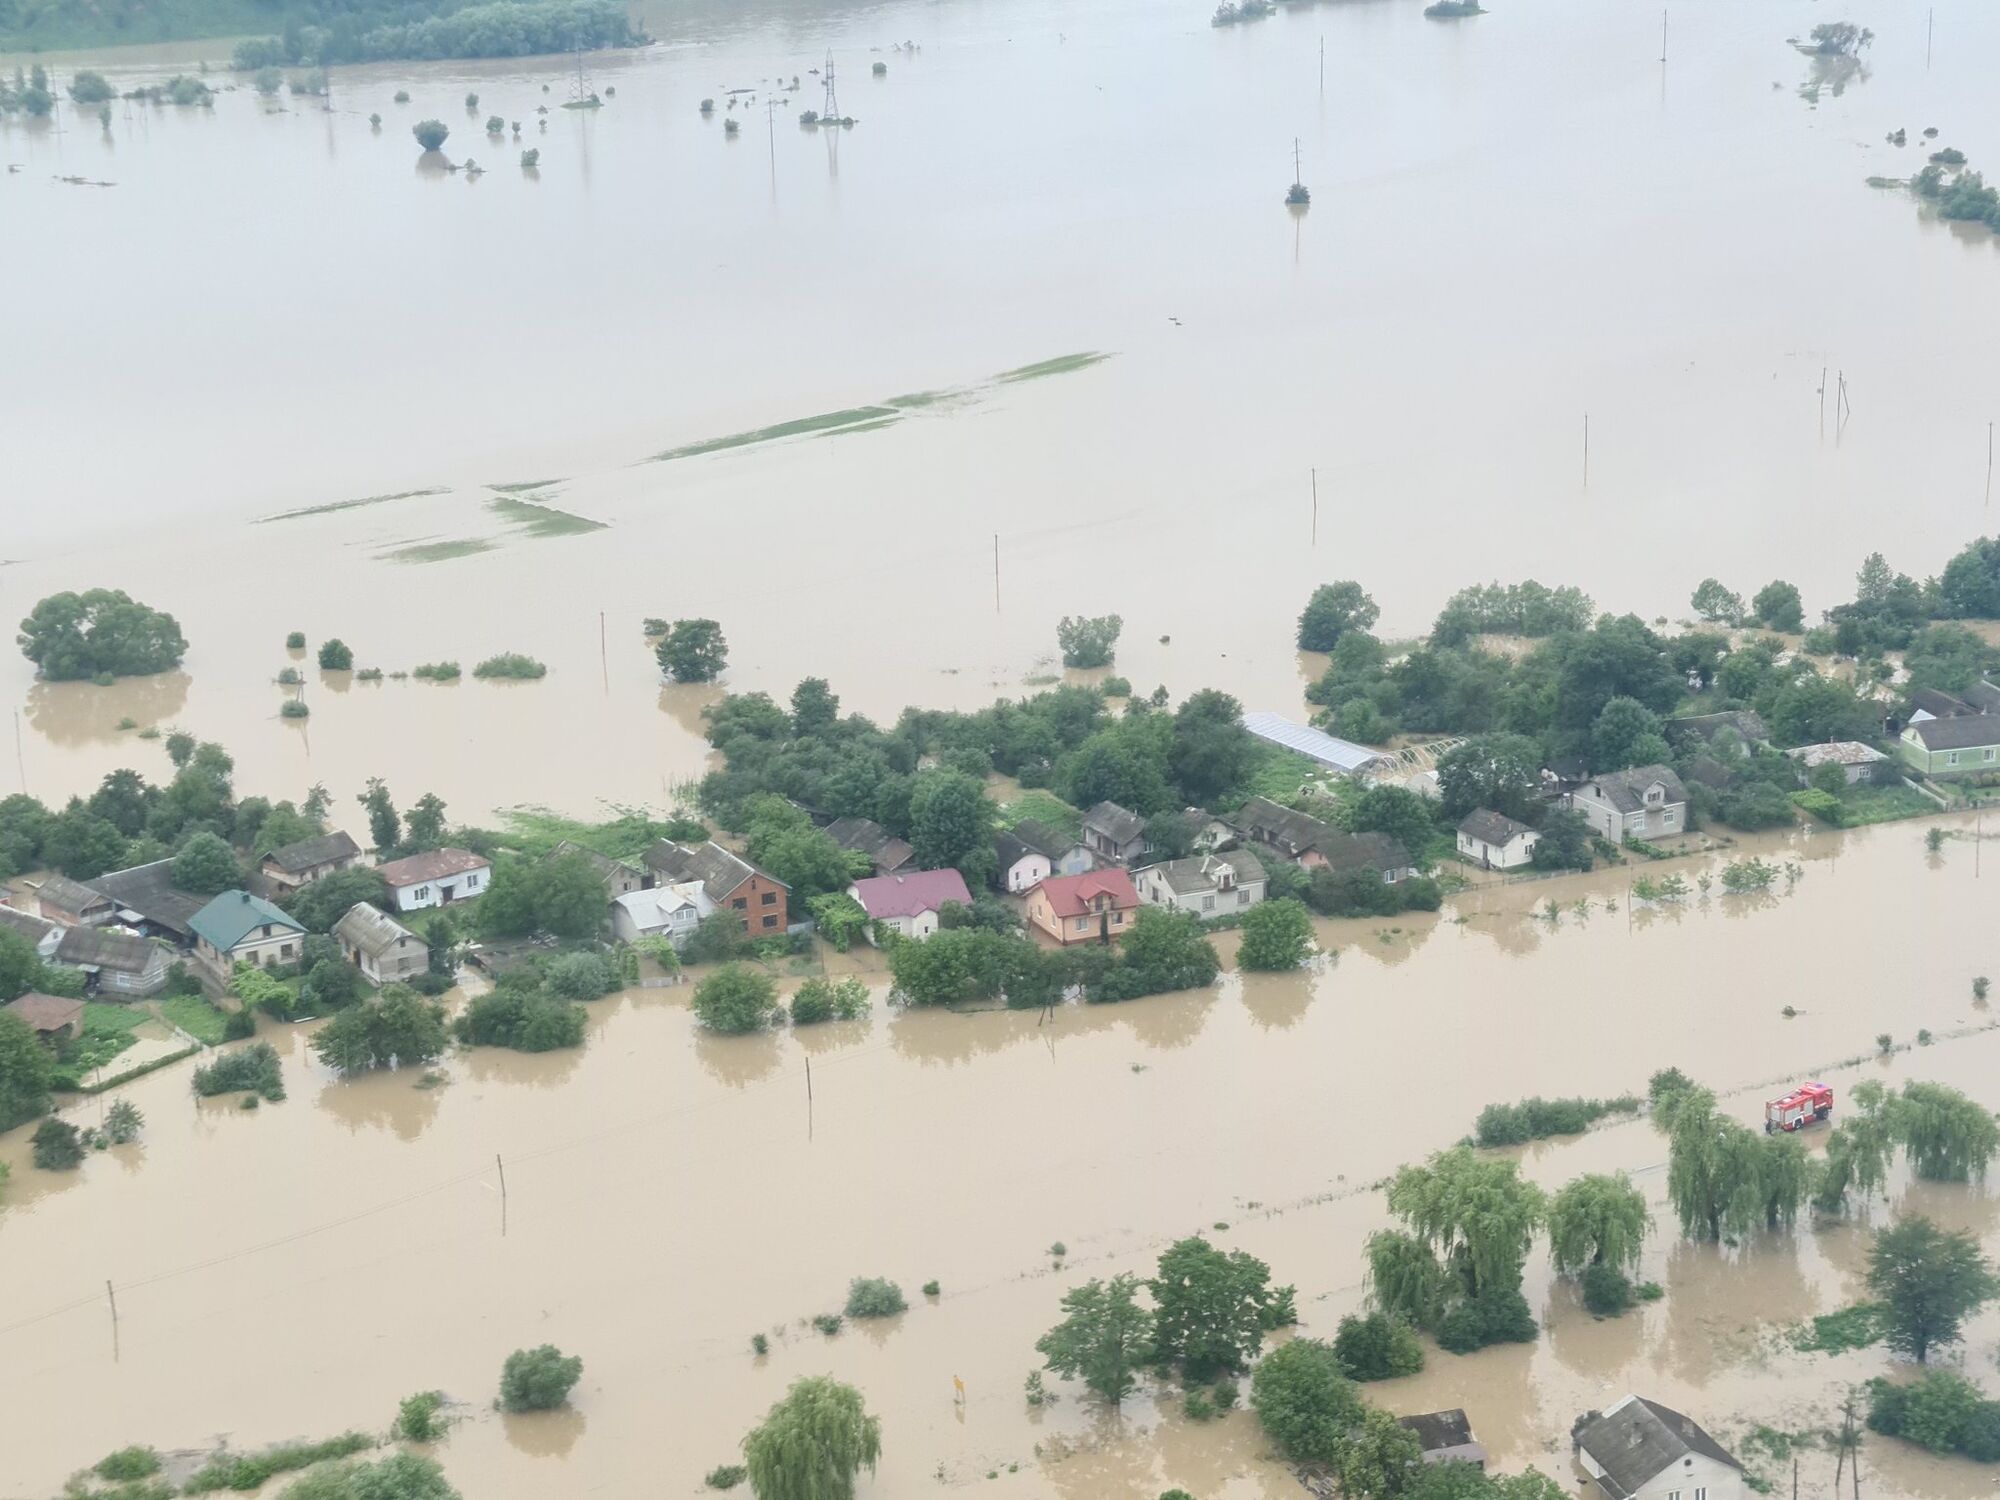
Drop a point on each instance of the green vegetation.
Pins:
(1943, 1412)
(829, 1000)
(1929, 1281)
(1045, 808)
(106, 1032)
(874, 1297)
(1855, 1327)
(833, 421)
(693, 651)
(1597, 1220)
(511, 664)
(436, 671)
(99, 634)
(1451, 10)
(445, 551)
(1537, 1118)
(538, 1379)
(254, 1068)
(1211, 1309)
(58, 1145)
(339, 505)
(1724, 1179)
(735, 999)
(400, 1476)
(725, 1476)
(535, 519)
(535, 831)
(400, 1028)
(1105, 1337)
(335, 655)
(1455, 1267)
(1377, 1347)
(812, 1443)
(417, 1418)
(1062, 364)
(1088, 641)
(1335, 610)
(127, 1464)
(232, 1471)
(343, 31)
(522, 1013)
(560, 896)
(1277, 937)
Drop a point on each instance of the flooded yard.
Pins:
(295, 1270)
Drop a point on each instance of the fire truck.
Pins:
(1808, 1104)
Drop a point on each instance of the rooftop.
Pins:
(884, 850)
(310, 854)
(150, 892)
(1637, 1439)
(1626, 790)
(95, 948)
(718, 871)
(910, 894)
(233, 916)
(1072, 895)
(1043, 839)
(26, 924)
(64, 894)
(371, 929)
(1836, 753)
(604, 864)
(1490, 827)
(1966, 731)
(1120, 825)
(655, 906)
(45, 1013)
(435, 864)
(1341, 755)
(1440, 1429)
(1202, 872)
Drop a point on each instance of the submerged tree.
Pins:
(1333, 611)
(1713, 1179)
(1105, 1337)
(1473, 1213)
(1088, 640)
(1211, 1308)
(1950, 1137)
(431, 134)
(813, 1443)
(692, 651)
(1597, 1221)
(1929, 1281)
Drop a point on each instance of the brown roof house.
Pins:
(1094, 907)
(286, 869)
(147, 899)
(620, 879)
(71, 904)
(733, 884)
(383, 949)
(50, 1017)
(436, 878)
(120, 966)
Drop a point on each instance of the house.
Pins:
(1208, 885)
(731, 884)
(50, 1017)
(1114, 833)
(1314, 845)
(1706, 770)
(69, 903)
(1935, 703)
(1983, 696)
(1066, 856)
(42, 935)
(885, 851)
(1019, 868)
(619, 878)
(120, 966)
(383, 949)
(237, 927)
(669, 911)
(146, 899)
(1746, 723)
(1641, 1450)
(1377, 852)
(1093, 907)
(1860, 762)
(1646, 802)
(1446, 1437)
(1495, 841)
(1343, 756)
(286, 869)
(1962, 746)
(909, 903)
(436, 878)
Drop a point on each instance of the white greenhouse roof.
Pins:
(1341, 755)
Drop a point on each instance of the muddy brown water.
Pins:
(294, 1270)
(1515, 221)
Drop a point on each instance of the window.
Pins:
(1242, 898)
(1673, 1495)
(1951, 757)
(1701, 1493)
(1083, 924)
(286, 951)
(769, 898)
(1987, 754)
(421, 893)
(1208, 903)
(265, 930)
(1118, 919)
(741, 903)
(771, 921)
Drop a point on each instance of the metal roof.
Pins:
(1342, 755)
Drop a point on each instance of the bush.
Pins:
(87, 87)
(538, 1379)
(1198, 1406)
(726, 1476)
(511, 664)
(58, 1145)
(518, 1013)
(580, 976)
(735, 999)
(1377, 1347)
(431, 134)
(234, 1471)
(1496, 1316)
(1303, 1398)
(1277, 936)
(128, 1464)
(335, 656)
(1607, 1291)
(827, 1323)
(239, 1025)
(1088, 641)
(1537, 1118)
(874, 1297)
(532, 157)
(930, 1288)
(417, 1417)
(400, 1476)
(437, 671)
(253, 1068)
(829, 1000)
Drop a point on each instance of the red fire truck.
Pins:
(1808, 1104)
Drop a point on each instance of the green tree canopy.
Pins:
(1305, 1402)
(1713, 1178)
(1717, 604)
(1777, 606)
(813, 1443)
(735, 999)
(1210, 753)
(431, 134)
(1929, 1281)
(1277, 936)
(1500, 771)
(1210, 1308)
(1105, 1337)
(693, 651)
(815, 708)
(1333, 611)
(538, 1379)
(1088, 641)
(400, 1028)
(1627, 733)
(1597, 1220)
(1473, 1213)
(323, 902)
(207, 866)
(26, 1067)
(562, 896)
(100, 632)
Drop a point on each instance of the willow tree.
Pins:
(1405, 1278)
(1597, 1221)
(1785, 1177)
(1859, 1150)
(1950, 1138)
(1473, 1213)
(1714, 1179)
(813, 1443)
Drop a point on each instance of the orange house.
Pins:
(1093, 907)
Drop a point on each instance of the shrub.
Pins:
(254, 1068)
(759, 1344)
(1820, 804)
(1305, 1402)
(292, 708)
(239, 1025)
(829, 1000)
(123, 1122)
(1537, 1118)
(335, 655)
(1607, 1291)
(827, 1323)
(874, 1297)
(402, 96)
(436, 671)
(400, 1476)
(532, 157)
(430, 134)
(235, 1471)
(930, 1288)
(538, 1379)
(511, 664)
(522, 1016)
(417, 1417)
(726, 1476)
(1377, 1347)
(1198, 1406)
(1496, 1316)
(734, 1000)
(580, 976)
(58, 1146)
(128, 1464)
(495, 125)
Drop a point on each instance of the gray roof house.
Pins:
(383, 949)
(1983, 695)
(1446, 1437)
(1962, 746)
(41, 934)
(887, 853)
(1495, 841)
(1746, 722)
(1935, 703)
(1114, 833)
(1020, 867)
(124, 967)
(294, 865)
(619, 878)
(1314, 845)
(1208, 885)
(1645, 802)
(1640, 1448)
(1066, 856)
(146, 897)
(71, 903)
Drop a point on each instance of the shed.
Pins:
(50, 1017)
(71, 903)
(125, 967)
(1446, 1437)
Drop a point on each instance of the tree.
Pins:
(1473, 1213)
(400, 1028)
(87, 87)
(1164, 950)
(1950, 1137)
(1377, 1347)
(1405, 1279)
(1717, 604)
(1627, 733)
(26, 1068)
(99, 633)
(693, 651)
(538, 1379)
(423, 826)
(385, 828)
(1305, 1401)
(1778, 607)
(81, 844)
(1127, 763)
(805, 858)
(822, 999)
(1597, 1220)
(1105, 1337)
(1380, 1459)
(562, 896)
(735, 999)
(58, 1145)
(335, 655)
(206, 866)
(1211, 752)
(20, 966)
(330, 983)
(1210, 1315)
(430, 134)
(320, 904)
(1088, 641)
(951, 821)
(1564, 844)
(812, 1443)
(1498, 771)
(815, 709)
(1277, 936)
(1333, 611)
(1713, 1178)
(1813, 709)
(1929, 1281)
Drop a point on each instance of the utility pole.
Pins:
(996, 572)
(1322, 67)
(1586, 450)
(1822, 401)
(1663, 34)
(108, 1292)
(1930, 25)
(771, 129)
(809, 1096)
(1989, 463)
(1315, 484)
(603, 651)
(21, 760)
(503, 1193)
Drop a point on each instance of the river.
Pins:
(295, 1270)
(1517, 221)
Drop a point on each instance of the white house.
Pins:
(1641, 1450)
(237, 927)
(437, 878)
(1646, 802)
(669, 911)
(909, 903)
(1021, 868)
(1208, 885)
(1495, 840)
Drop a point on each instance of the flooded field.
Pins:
(868, 351)
(295, 1270)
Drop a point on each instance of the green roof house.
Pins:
(237, 927)
(1964, 746)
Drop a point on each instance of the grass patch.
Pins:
(522, 487)
(540, 520)
(1854, 1327)
(825, 422)
(1044, 807)
(1278, 773)
(196, 1017)
(107, 1031)
(535, 831)
(338, 505)
(248, 1471)
(1883, 804)
(918, 400)
(430, 552)
(1062, 364)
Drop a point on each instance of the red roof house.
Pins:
(1093, 907)
(909, 903)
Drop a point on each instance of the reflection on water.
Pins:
(70, 714)
(544, 1434)
(739, 1060)
(1277, 1002)
(394, 1101)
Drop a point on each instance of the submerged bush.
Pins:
(254, 1068)
(874, 1297)
(511, 664)
(538, 1379)
(1536, 1118)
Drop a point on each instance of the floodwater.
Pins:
(1516, 221)
(294, 1270)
